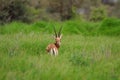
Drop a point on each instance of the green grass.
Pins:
(108, 27)
(89, 51)
(23, 57)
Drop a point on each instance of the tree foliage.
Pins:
(13, 10)
(33, 10)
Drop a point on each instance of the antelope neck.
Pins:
(57, 45)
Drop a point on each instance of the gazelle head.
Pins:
(58, 36)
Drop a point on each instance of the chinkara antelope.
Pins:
(52, 49)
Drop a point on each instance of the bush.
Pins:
(98, 14)
(111, 22)
(13, 10)
(110, 26)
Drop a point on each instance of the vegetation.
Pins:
(89, 51)
(109, 27)
(90, 48)
(60, 10)
(11, 10)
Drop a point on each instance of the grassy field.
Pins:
(82, 55)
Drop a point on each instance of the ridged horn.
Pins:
(55, 31)
(60, 31)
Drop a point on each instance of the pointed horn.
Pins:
(55, 32)
(60, 31)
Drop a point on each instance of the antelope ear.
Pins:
(60, 36)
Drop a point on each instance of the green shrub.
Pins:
(110, 26)
(98, 13)
(111, 22)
